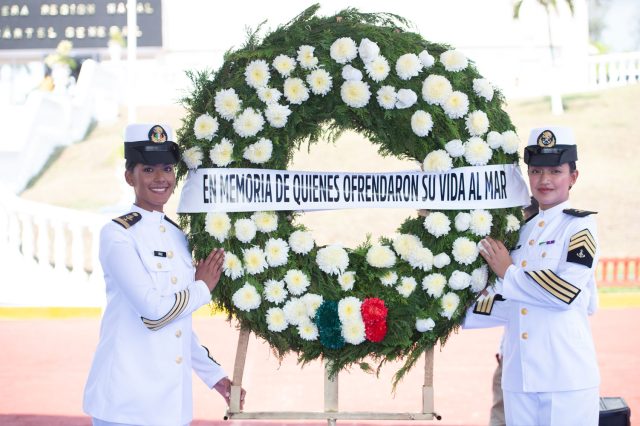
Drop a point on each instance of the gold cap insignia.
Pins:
(546, 139)
(157, 134)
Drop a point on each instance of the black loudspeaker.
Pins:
(614, 412)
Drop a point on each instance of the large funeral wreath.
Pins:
(318, 76)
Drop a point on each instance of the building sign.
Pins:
(42, 24)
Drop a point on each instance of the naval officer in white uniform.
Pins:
(141, 371)
(544, 295)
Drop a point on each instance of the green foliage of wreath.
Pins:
(326, 116)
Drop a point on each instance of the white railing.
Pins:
(616, 69)
(51, 254)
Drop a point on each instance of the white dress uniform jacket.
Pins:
(141, 372)
(548, 293)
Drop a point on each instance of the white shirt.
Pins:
(141, 372)
(547, 345)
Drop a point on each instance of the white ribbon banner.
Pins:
(238, 190)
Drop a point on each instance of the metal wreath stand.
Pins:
(331, 411)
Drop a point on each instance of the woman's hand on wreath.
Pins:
(496, 255)
(210, 268)
(223, 387)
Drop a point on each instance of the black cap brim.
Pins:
(550, 157)
(152, 153)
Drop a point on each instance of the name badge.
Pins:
(160, 253)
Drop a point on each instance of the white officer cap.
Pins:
(550, 146)
(150, 144)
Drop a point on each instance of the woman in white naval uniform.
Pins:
(141, 372)
(547, 288)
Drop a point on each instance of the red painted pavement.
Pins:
(44, 363)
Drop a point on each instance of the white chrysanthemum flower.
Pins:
(259, 152)
(449, 303)
(192, 157)
(454, 60)
(436, 89)
(421, 123)
(227, 103)
(441, 260)
(353, 332)
(459, 280)
(406, 286)
(295, 311)
(254, 260)
(483, 88)
(463, 221)
(437, 161)
(481, 221)
(295, 91)
(405, 98)
(265, 221)
(387, 97)
(277, 115)
(464, 251)
(437, 224)
(232, 266)
(368, 50)
(284, 65)
(479, 278)
(308, 330)
(248, 123)
(320, 82)
(408, 66)
(434, 284)
(276, 320)
(312, 302)
(277, 251)
(356, 94)
(477, 152)
(405, 244)
(257, 73)
(205, 127)
(421, 258)
(425, 324)
(347, 280)
(510, 142)
(477, 123)
(513, 224)
(245, 230)
(301, 242)
(378, 69)
(275, 292)
(389, 278)
(349, 309)
(217, 225)
(380, 256)
(222, 153)
(455, 148)
(494, 139)
(246, 298)
(297, 281)
(343, 50)
(332, 259)
(351, 73)
(456, 105)
(269, 95)
(306, 58)
(426, 59)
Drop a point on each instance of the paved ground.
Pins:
(44, 362)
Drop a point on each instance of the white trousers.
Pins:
(571, 408)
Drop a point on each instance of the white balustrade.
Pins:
(616, 69)
(29, 231)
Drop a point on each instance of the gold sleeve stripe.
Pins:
(583, 243)
(181, 302)
(484, 306)
(582, 237)
(583, 233)
(555, 285)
